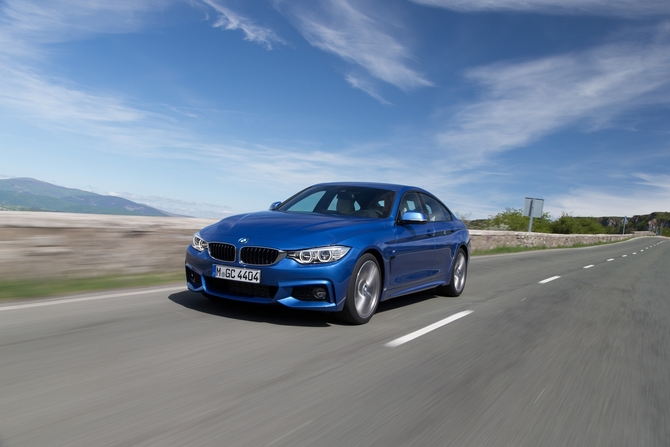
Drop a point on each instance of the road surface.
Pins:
(550, 348)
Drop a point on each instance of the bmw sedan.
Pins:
(336, 247)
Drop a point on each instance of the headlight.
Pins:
(319, 255)
(199, 243)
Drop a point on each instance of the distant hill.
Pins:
(34, 195)
(644, 222)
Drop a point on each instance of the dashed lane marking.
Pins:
(544, 281)
(427, 329)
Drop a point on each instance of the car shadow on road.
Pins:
(406, 300)
(261, 313)
(278, 314)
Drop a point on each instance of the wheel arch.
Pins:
(466, 250)
(380, 260)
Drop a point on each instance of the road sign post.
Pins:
(533, 208)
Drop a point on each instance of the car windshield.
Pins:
(359, 201)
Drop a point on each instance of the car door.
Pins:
(445, 237)
(412, 260)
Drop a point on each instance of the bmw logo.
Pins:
(243, 240)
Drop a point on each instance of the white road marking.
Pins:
(90, 298)
(588, 266)
(610, 260)
(624, 256)
(427, 329)
(544, 281)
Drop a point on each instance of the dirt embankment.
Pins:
(35, 244)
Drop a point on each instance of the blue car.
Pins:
(336, 247)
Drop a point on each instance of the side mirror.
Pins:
(413, 217)
(274, 206)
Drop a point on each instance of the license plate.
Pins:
(236, 274)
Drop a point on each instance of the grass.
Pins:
(518, 249)
(505, 250)
(31, 288)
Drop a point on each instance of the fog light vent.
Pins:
(193, 278)
(311, 293)
(320, 293)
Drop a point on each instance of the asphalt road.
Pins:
(579, 360)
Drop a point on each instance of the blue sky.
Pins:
(212, 107)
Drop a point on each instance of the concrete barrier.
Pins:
(36, 244)
(487, 240)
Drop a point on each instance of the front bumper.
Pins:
(287, 282)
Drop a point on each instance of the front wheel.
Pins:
(459, 274)
(364, 290)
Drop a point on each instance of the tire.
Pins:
(459, 273)
(365, 288)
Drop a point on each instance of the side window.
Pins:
(410, 202)
(435, 211)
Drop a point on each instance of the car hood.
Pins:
(289, 230)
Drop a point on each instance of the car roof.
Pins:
(391, 186)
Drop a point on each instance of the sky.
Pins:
(214, 107)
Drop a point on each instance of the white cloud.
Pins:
(360, 83)
(29, 94)
(49, 102)
(523, 102)
(61, 20)
(230, 20)
(342, 28)
(622, 8)
(649, 193)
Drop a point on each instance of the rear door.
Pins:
(445, 237)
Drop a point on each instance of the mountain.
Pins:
(34, 195)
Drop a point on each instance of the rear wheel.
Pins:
(364, 290)
(459, 274)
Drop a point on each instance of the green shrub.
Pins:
(567, 224)
(514, 220)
